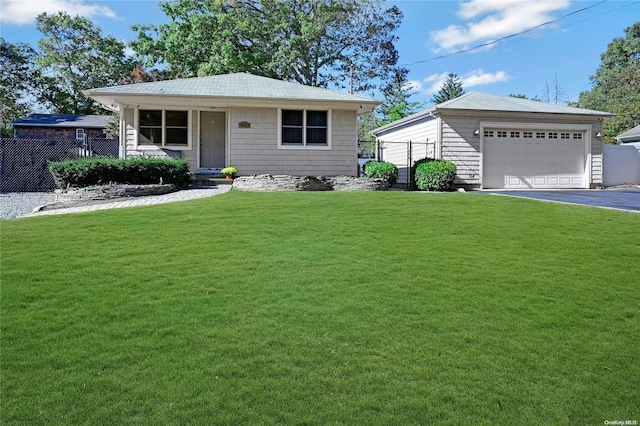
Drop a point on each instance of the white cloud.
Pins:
(492, 19)
(477, 77)
(22, 12)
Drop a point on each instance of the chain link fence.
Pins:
(24, 163)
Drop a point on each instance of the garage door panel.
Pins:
(533, 162)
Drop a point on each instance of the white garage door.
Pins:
(533, 159)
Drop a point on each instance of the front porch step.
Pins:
(200, 180)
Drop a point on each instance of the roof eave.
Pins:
(404, 121)
(112, 100)
(594, 114)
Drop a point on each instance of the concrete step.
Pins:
(202, 180)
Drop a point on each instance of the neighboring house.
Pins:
(501, 142)
(256, 124)
(631, 137)
(61, 126)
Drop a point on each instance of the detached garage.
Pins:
(501, 142)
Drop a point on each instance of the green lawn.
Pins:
(322, 308)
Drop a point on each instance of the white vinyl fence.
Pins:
(620, 165)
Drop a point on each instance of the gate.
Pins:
(403, 155)
(24, 163)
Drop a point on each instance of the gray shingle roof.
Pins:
(64, 120)
(239, 85)
(477, 101)
(630, 134)
(485, 102)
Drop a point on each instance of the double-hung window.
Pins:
(308, 128)
(163, 127)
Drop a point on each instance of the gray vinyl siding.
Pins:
(395, 145)
(596, 156)
(130, 132)
(256, 150)
(462, 147)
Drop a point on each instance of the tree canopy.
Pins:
(16, 70)
(322, 43)
(74, 55)
(616, 84)
(451, 88)
(397, 94)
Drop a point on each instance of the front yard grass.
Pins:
(322, 308)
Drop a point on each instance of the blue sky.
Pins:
(568, 49)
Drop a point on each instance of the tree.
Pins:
(318, 43)
(16, 70)
(397, 93)
(75, 56)
(451, 89)
(616, 84)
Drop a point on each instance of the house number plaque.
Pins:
(244, 125)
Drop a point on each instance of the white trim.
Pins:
(122, 132)
(304, 145)
(198, 137)
(587, 128)
(438, 142)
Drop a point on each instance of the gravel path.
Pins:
(14, 204)
(23, 204)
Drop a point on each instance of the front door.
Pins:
(212, 139)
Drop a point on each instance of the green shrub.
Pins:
(382, 170)
(102, 170)
(415, 166)
(437, 175)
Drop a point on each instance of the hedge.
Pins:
(381, 170)
(437, 175)
(103, 170)
(415, 167)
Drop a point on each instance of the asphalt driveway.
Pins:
(621, 199)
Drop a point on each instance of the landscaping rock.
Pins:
(307, 183)
(346, 183)
(111, 192)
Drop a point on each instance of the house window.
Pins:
(79, 133)
(163, 127)
(304, 128)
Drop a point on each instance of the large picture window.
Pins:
(163, 127)
(304, 128)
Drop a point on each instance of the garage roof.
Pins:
(477, 101)
(486, 102)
